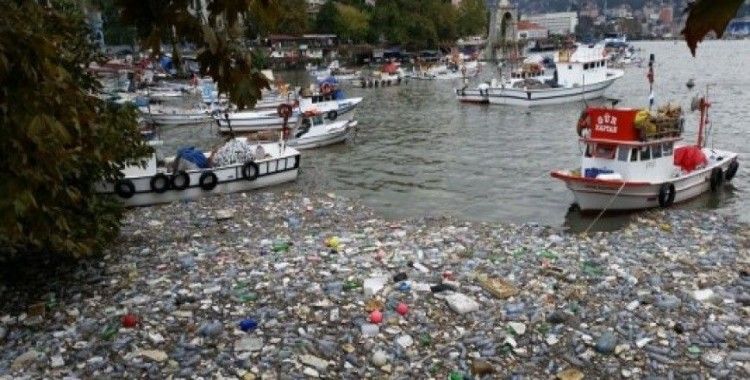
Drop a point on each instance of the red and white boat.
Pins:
(628, 165)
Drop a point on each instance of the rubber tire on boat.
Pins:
(717, 178)
(284, 110)
(124, 188)
(369, 84)
(250, 171)
(208, 181)
(377, 83)
(364, 83)
(667, 193)
(332, 115)
(398, 80)
(731, 171)
(185, 180)
(388, 82)
(159, 178)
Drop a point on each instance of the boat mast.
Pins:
(704, 105)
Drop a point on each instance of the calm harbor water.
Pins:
(419, 152)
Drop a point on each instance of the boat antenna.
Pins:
(650, 77)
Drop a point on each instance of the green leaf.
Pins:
(705, 16)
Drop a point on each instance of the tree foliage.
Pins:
(214, 27)
(58, 140)
(472, 18)
(350, 23)
(705, 16)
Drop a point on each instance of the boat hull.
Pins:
(595, 195)
(271, 172)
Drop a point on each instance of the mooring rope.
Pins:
(604, 209)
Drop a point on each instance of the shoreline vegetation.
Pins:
(284, 285)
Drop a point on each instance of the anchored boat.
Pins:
(635, 160)
(250, 167)
(580, 74)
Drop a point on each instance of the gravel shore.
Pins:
(267, 285)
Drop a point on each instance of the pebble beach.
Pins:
(292, 286)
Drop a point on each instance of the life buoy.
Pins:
(326, 88)
(208, 181)
(124, 188)
(250, 171)
(284, 110)
(667, 193)
(159, 183)
(731, 170)
(717, 178)
(180, 180)
(584, 122)
(332, 115)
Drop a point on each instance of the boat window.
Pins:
(656, 151)
(605, 151)
(634, 154)
(666, 149)
(622, 153)
(645, 153)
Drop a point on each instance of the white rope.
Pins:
(604, 209)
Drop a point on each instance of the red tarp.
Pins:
(689, 157)
(613, 123)
(390, 68)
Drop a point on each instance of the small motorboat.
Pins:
(315, 131)
(634, 159)
(235, 167)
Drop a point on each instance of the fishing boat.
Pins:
(257, 166)
(253, 121)
(173, 116)
(580, 74)
(446, 71)
(336, 71)
(635, 159)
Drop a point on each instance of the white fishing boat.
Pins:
(172, 116)
(636, 160)
(336, 71)
(263, 165)
(579, 74)
(448, 71)
(253, 121)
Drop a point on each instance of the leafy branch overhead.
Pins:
(214, 27)
(705, 16)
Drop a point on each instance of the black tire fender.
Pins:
(332, 115)
(180, 180)
(159, 183)
(250, 171)
(208, 181)
(124, 188)
(731, 170)
(717, 178)
(667, 193)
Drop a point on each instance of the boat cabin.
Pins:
(616, 149)
(580, 67)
